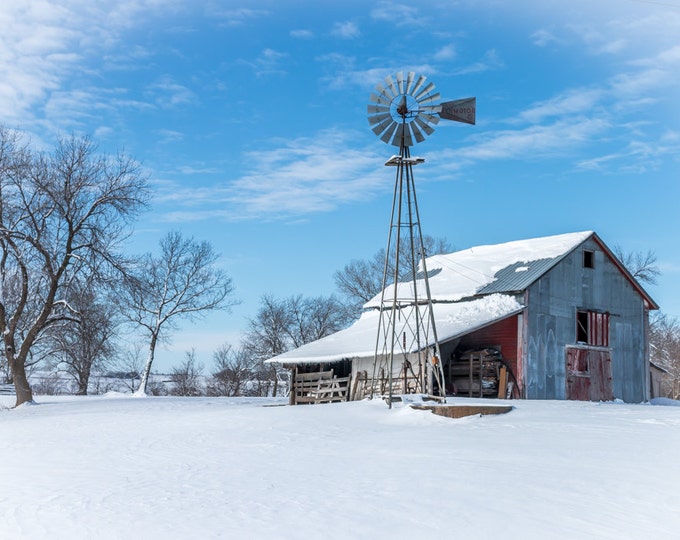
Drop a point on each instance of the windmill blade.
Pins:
(383, 126)
(423, 125)
(428, 99)
(399, 133)
(388, 133)
(429, 118)
(428, 88)
(409, 82)
(379, 118)
(418, 84)
(416, 132)
(408, 140)
(400, 81)
(390, 84)
(375, 109)
(380, 98)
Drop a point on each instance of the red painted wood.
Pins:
(589, 374)
(502, 334)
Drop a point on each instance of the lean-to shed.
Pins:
(557, 317)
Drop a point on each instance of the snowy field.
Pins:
(122, 467)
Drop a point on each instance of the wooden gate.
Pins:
(589, 374)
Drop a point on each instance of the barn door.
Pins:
(589, 374)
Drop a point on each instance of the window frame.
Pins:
(592, 328)
(588, 258)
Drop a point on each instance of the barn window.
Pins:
(592, 328)
(588, 259)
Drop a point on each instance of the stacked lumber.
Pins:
(476, 373)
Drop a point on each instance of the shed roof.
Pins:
(358, 341)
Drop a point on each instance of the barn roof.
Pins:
(481, 270)
(470, 289)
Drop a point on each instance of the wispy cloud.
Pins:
(269, 62)
(491, 60)
(398, 14)
(169, 94)
(572, 102)
(531, 142)
(302, 34)
(236, 17)
(543, 37)
(43, 46)
(345, 30)
(169, 135)
(447, 52)
(296, 178)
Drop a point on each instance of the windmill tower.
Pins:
(407, 356)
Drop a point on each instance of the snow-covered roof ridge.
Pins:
(498, 268)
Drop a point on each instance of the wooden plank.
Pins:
(503, 382)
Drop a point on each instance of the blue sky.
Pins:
(250, 119)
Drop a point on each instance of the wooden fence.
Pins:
(319, 387)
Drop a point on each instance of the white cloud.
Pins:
(236, 17)
(169, 135)
(345, 30)
(294, 178)
(267, 63)
(490, 60)
(44, 43)
(398, 14)
(302, 34)
(448, 52)
(169, 94)
(543, 37)
(533, 141)
(573, 102)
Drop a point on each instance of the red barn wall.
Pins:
(502, 334)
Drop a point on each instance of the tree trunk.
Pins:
(276, 381)
(21, 386)
(141, 391)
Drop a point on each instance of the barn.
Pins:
(556, 317)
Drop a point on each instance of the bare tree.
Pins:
(362, 279)
(86, 344)
(186, 379)
(129, 366)
(234, 370)
(665, 349)
(183, 282)
(284, 324)
(641, 265)
(59, 213)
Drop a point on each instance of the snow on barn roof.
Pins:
(501, 268)
(469, 290)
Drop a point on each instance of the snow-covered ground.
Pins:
(123, 467)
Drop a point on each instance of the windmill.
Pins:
(401, 111)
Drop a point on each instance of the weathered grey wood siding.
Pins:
(552, 304)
